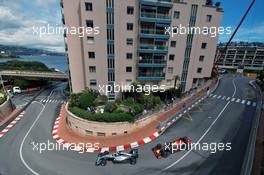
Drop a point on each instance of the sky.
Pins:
(18, 17)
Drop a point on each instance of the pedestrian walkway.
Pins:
(235, 100)
(51, 101)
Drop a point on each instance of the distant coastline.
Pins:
(7, 51)
(56, 62)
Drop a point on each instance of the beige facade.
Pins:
(133, 44)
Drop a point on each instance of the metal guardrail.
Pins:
(34, 74)
(174, 117)
(21, 110)
(250, 151)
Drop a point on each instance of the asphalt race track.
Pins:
(215, 120)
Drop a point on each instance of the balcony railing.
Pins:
(153, 47)
(153, 31)
(151, 76)
(155, 15)
(152, 61)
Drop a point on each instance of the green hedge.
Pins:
(105, 117)
(2, 100)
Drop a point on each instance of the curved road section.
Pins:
(224, 117)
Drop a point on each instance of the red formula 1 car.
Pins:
(163, 151)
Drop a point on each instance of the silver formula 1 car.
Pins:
(118, 157)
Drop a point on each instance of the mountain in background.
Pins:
(19, 50)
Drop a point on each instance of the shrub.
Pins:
(100, 100)
(74, 100)
(22, 83)
(2, 100)
(86, 100)
(218, 4)
(2, 97)
(106, 117)
(135, 108)
(110, 107)
(118, 101)
(149, 101)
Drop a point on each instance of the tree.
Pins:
(218, 4)
(110, 107)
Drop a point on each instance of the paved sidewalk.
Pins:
(63, 134)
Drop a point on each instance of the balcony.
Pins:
(153, 33)
(152, 63)
(155, 17)
(152, 76)
(159, 3)
(145, 48)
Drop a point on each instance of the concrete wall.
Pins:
(5, 109)
(91, 128)
(85, 127)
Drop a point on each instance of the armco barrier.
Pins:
(188, 105)
(22, 109)
(250, 151)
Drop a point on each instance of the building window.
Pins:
(173, 44)
(91, 55)
(204, 45)
(176, 15)
(129, 41)
(111, 76)
(199, 70)
(89, 6)
(89, 23)
(129, 69)
(93, 82)
(88, 132)
(201, 58)
(92, 69)
(130, 10)
(101, 134)
(110, 3)
(128, 81)
(110, 34)
(110, 49)
(110, 63)
(110, 18)
(129, 26)
(170, 70)
(175, 29)
(171, 57)
(208, 18)
(129, 56)
(90, 39)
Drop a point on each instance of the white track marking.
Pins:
(206, 132)
(23, 141)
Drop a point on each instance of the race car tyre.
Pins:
(159, 146)
(133, 161)
(103, 162)
(165, 154)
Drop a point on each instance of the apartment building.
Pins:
(244, 57)
(134, 44)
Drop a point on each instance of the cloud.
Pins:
(17, 29)
(248, 33)
(45, 2)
